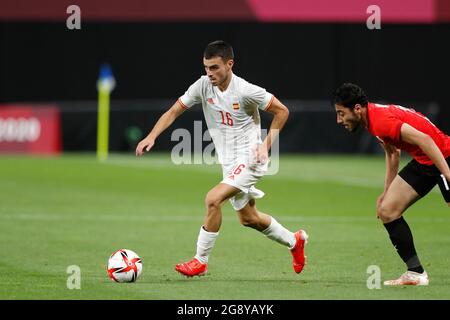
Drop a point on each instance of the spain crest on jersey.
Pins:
(236, 106)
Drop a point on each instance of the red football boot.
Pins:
(298, 252)
(192, 268)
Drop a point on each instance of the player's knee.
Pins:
(382, 212)
(387, 213)
(212, 201)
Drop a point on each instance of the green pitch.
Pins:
(72, 210)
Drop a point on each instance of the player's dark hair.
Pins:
(349, 94)
(219, 48)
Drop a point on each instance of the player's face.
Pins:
(217, 70)
(349, 119)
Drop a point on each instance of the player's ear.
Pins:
(357, 108)
(230, 63)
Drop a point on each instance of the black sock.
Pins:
(402, 239)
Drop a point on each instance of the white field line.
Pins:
(199, 218)
(344, 179)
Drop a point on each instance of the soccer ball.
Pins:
(124, 265)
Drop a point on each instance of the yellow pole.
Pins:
(103, 124)
(105, 85)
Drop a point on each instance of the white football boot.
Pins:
(409, 278)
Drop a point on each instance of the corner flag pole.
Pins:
(105, 85)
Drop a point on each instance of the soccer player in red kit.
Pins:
(398, 128)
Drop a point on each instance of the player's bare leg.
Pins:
(399, 197)
(209, 231)
(249, 216)
(213, 202)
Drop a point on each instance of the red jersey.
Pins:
(385, 121)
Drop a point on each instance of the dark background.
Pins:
(405, 64)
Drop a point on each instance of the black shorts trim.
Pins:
(423, 178)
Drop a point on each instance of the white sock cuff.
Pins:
(208, 233)
(270, 227)
(280, 234)
(205, 244)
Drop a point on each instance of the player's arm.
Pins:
(427, 145)
(280, 115)
(392, 159)
(162, 124)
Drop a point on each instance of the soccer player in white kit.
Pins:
(230, 106)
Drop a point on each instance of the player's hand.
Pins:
(261, 153)
(388, 148)
(145, 145)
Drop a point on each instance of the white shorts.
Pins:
(244, 177)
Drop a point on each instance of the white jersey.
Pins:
(232, 117)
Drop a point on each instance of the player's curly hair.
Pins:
(219, 48)
(349, 94)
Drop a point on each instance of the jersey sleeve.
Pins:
(257, 96)
(192, 96)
